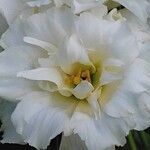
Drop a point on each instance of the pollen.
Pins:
(76, 78)
(86, 75)
(35, 10)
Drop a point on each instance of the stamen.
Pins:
(77, 78)
(86, 75)
(35, 10)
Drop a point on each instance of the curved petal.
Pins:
(38, 3)
(83, 90)
(89, 30)
(95, 131)
(50, 27)
(93, 101)
(45, 74)
(41, 116)
(53, 75)
(138, 7)
(108, 77)
(124, 101)
(13, 60)
(13, 88)
(83, 5)
(109, 41)
(71, 53)
(141, 32)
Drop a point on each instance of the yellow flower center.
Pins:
(78, 76)
(35, 10)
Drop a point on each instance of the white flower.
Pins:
(141, 8)
(80, 75)
(11, 9)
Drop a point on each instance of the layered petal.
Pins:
(83, 90)
(47, 116)
(51, 27)
(108, 42)
(38, 3)
(13, 60)
(138, 7)
(79, 6)
(76, 74)
(124, 102)
(72, 52)
(95, 131)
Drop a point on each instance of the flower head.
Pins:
(82, 75)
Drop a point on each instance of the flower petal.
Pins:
(38, 3)
(13, 60)
(43, 74)
(83, 5)
(50, 27)
(105, 40)
(41, 116)
(142, 117)
(138, 7)
(45, 45)
(124, 101)
(72, 52)
(108, 77)
(13, 88)
(94, 103)
(95, 132)
(83, 90)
